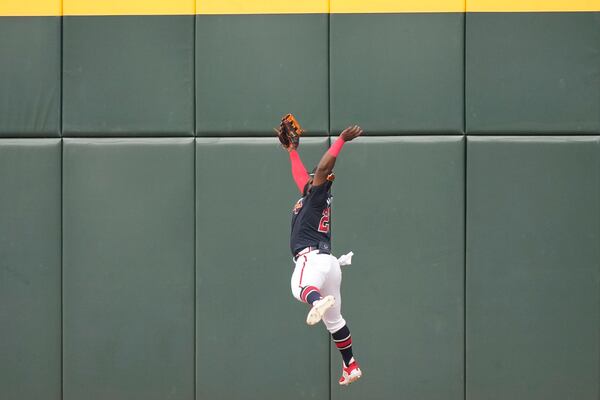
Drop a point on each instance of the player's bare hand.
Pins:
(350, 133)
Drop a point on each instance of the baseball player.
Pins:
(317, 276)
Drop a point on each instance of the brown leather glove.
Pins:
(289, 132)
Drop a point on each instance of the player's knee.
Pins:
(334, 325)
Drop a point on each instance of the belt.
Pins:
(304, 251)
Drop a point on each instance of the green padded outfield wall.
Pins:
(403, 295)
(128, 76)
(533, 275)
(542, 68)
(247, 319)
(267, 65)
(398, 73)
(30, 269)
(128, 268)
(30, 76)
(145, 203)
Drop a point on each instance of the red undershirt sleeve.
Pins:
(298, 171)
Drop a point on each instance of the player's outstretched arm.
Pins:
(328, 160)
(298, 170)
(288, 133)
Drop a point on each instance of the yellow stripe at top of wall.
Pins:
(190, 7)
(262, 6)
(32, 8)
(396, 6)
(128, 7)
(532, 5)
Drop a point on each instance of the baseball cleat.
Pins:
(350, 374)
(318, 309)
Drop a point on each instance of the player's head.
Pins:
(311, 176)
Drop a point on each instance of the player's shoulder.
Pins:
(325, 186)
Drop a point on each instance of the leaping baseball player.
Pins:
(317, 276)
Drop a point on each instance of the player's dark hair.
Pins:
(305, 189)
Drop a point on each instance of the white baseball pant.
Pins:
(323, 272)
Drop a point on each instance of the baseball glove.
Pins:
(289, 132)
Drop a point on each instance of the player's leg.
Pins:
(332, 319)
(307, 280)
(336, 325)
(350, 370)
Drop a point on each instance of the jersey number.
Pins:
(324, 222)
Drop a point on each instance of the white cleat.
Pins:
(350, 374)
(318, 309)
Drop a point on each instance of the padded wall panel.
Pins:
(533, 268)
(252, 338)
(399, 206)
(30, 76)
(397, 73)
(30, 327)
(128, 76)
(533, 73)
(128, 269)
(252, 69)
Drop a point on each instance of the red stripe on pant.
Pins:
(302, 271)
